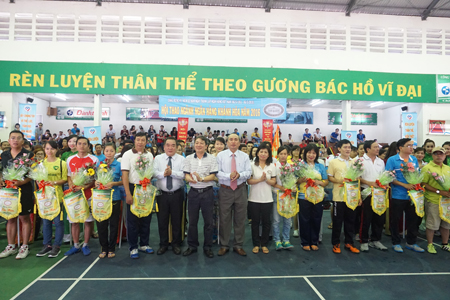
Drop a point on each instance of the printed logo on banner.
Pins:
(409, 116)
(273, 109)
(69, 112)
(349, 135)
(445, 90)
(267, 124)
(27, 108)
(92, 131)
(182, 122)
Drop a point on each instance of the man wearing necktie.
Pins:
(234, 170)
(170, 180)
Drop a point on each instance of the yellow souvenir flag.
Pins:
(276, 142)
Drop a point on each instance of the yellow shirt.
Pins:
(337, 168)
(57, 170)
(431, 167)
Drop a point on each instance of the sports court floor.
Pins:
(277, 275)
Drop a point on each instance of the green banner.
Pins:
(335, 118)
(221, 120)
(211, 81)
(443, 88)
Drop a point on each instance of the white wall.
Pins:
(434, 112)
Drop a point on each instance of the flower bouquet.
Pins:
(444, 203)
(75, 203)
(46, 197)
(287, 202)
(414, 177)
(101, 202)
(16, 170)
(380, 196)
(313, 193)
(350, 188)
(144, 193)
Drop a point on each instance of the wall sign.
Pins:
(335, 118)
(80, 113)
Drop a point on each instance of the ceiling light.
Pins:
(126, 98)
(61, 96)
(316, 102)
(375, 104)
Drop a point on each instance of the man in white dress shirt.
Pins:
(234, 170)
(170, 181)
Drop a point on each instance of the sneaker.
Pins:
(414, 248)
(86, 250)
(23, 252)
(9, 250)
(337, 248)
(45, 250)
(351, 248)
(55, 252)
(364, 247)
(397, 248)
(296, 235)
(377, 245)
(278, 246)
(286, 245)
(446, 247)
(146, 249)
(72, 251)
(431, 249)
(134, 253)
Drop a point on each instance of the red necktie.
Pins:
(233, 184)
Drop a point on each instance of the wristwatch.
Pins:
(438, 192)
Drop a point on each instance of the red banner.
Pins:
(183, 128)
(267, 130)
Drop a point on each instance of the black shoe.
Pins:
(161, 250)
(208, 253)
(189, 251)
(176, 250)
(55, 252)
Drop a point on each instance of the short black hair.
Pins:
(201, 137)
(52, 144)
(242, 146)
(402, 142)
(17, 131)
(83, 138)
(98, 145)
(261, 147)
(282, 148)
(141, 134)
(418, 149)
(128, 142)
(171, 138)
(309, 148)
(110, 145)
(343, 142)
(368, 144)
(446, 144)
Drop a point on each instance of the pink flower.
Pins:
(16, 166)
(21, 162)
(25, 154)
(434, 174)
(15, 161)
(27, 160)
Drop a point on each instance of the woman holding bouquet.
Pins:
(260, 199)
(311, 209)
(57, 177)
(109, 245)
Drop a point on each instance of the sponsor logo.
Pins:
(92, 131)
(100, 204)
(47, 203)
(77, 207)
(409, 116)
(273, 110)
(353, 194)
(69, 112)
(348, 135)
(142, 201)
(7, 203)
(27, 108)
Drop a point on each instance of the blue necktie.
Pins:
(169, 178)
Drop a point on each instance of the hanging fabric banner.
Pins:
(183, 124)
(27, 120)
(409, 126)
(267, 130)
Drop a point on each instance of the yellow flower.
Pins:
(105, 170)
(91, 172)
(103, 165)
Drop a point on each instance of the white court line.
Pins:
(78, 280)
(252, 277)
(440, 246)
(314, 289)
(39, 278)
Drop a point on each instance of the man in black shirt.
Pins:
(16, 140)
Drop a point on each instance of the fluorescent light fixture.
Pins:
(61, 96)
(316, 102)
(126, 98)
(375, 104)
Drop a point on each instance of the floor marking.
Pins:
(314, 289)
(440, 246)
(78, 280)
(250, 277)
(39, 278)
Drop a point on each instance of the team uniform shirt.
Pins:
(243, 167)
(74, 131)
(307, 136)
(371, 170)
(68, 154)
(76, 162)
(100, 157)
(56, 170)
(428, 170)
(117, 172)
(335, 135)
(262, 192)
(337, 169)
(161, 162)
(128, 163)
(361, 137)
(323, 176)
(277, 168)
(205, 166)
(394, 164)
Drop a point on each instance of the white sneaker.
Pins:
(23, 252)
(378, 245)
(296, 233)
(8, 251)
(364, 247)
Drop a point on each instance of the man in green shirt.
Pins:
(433, 194)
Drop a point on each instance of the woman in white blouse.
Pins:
(260, 199)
